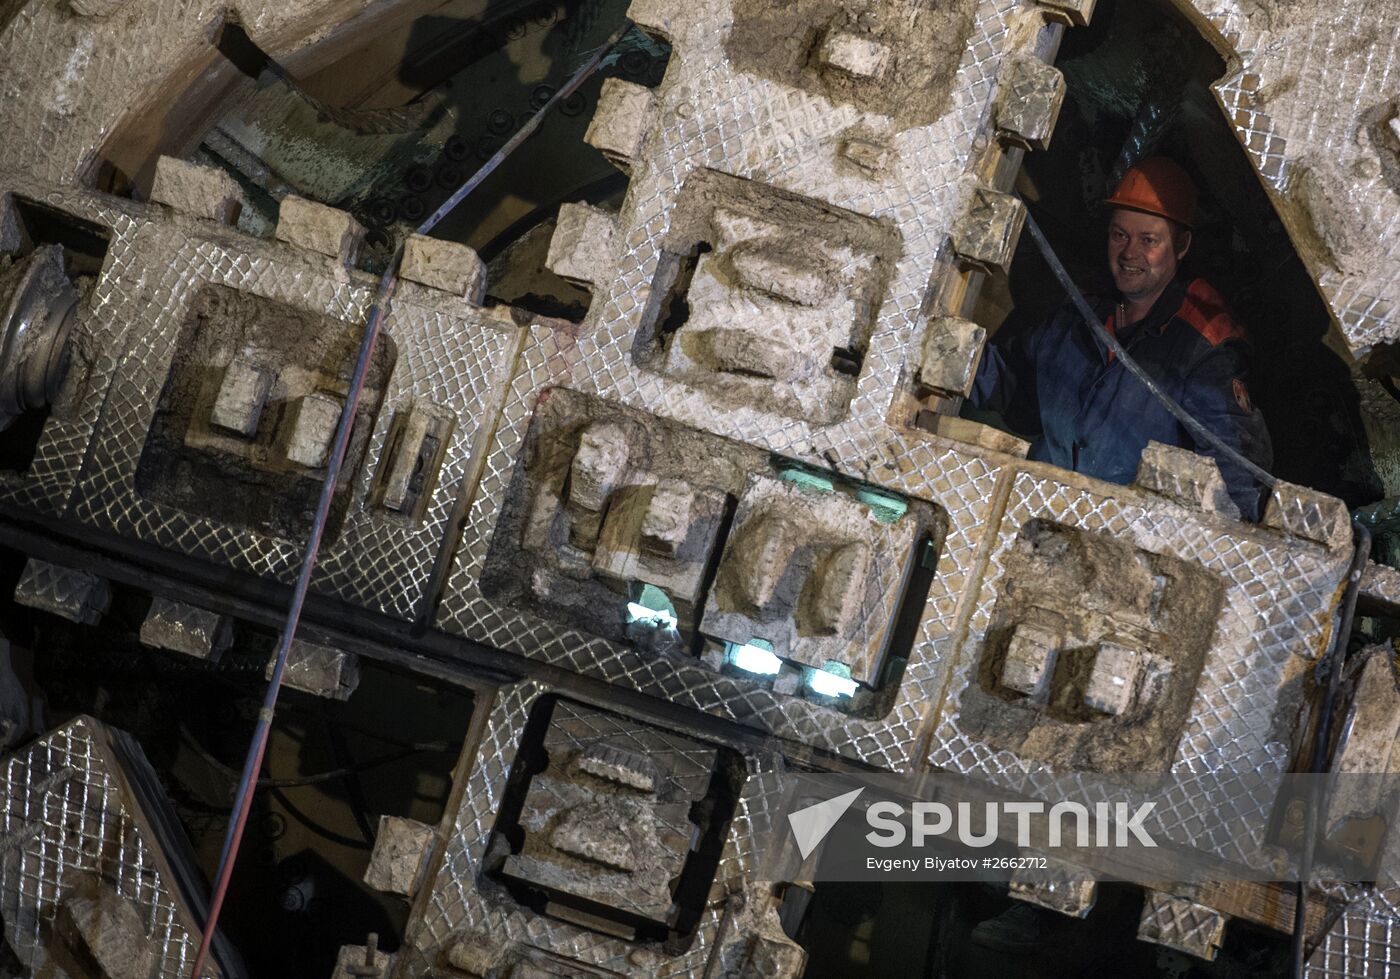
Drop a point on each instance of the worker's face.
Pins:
(1141, 255)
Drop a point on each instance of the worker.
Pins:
(1086, 411)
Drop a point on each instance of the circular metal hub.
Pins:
(39, 310)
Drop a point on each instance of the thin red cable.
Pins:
(387, 286)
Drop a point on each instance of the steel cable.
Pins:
(1332, 667)
(388, 283)
(1197, 430)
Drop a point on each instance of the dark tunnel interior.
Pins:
(458, 83)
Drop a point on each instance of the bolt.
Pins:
(273, 825)
(574, 104)
(540, 95)
(381, 211)
(450, 176)
(1294, 814)
(293, 899)
(456, 149)
(500, 121)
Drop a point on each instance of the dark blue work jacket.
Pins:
(1059, 382)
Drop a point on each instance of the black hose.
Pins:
(354, 791)
(378, 761)
(1197, 430)
(320, 830)
(352, 769)
(1322, 735)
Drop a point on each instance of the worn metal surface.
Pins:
(804, 153)
(959, 483)
(199, 191)
(69, 816)
(380, 564)
(362, 962)
(1030, 95)
(609, 820)
(455, 908)
(1182, 924)
(47, 484)
(400, 855)
(1380, 588)
(1181, 475)
(75, 595)
(449, 355)
(38, 300)
(1059, 887)
(1306, 92)
(1363, 941)
(923, 197)
(1276, 612)
(1308, 514)
(1310, 93)
(787, 140)
(186, 629)
(853, 565)
(69, 81)
(952, 349)
(320, 670)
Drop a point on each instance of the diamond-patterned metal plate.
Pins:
(961, 484)
(47, 484)
(1181, 924)
(448, 353)
(1279, 595)
(72, 594)
(1363, 941)
(66, 814)
(757, 129)
(1310, 96)
(452, 903)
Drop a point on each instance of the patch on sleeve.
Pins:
(1242, 396)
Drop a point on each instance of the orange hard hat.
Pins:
(1158, 186)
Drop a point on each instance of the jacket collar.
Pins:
(1162, 311)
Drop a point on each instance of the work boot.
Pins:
(1019, 930)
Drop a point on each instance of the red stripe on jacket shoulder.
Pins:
(1208, 315)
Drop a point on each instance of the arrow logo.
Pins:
(810, 825)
